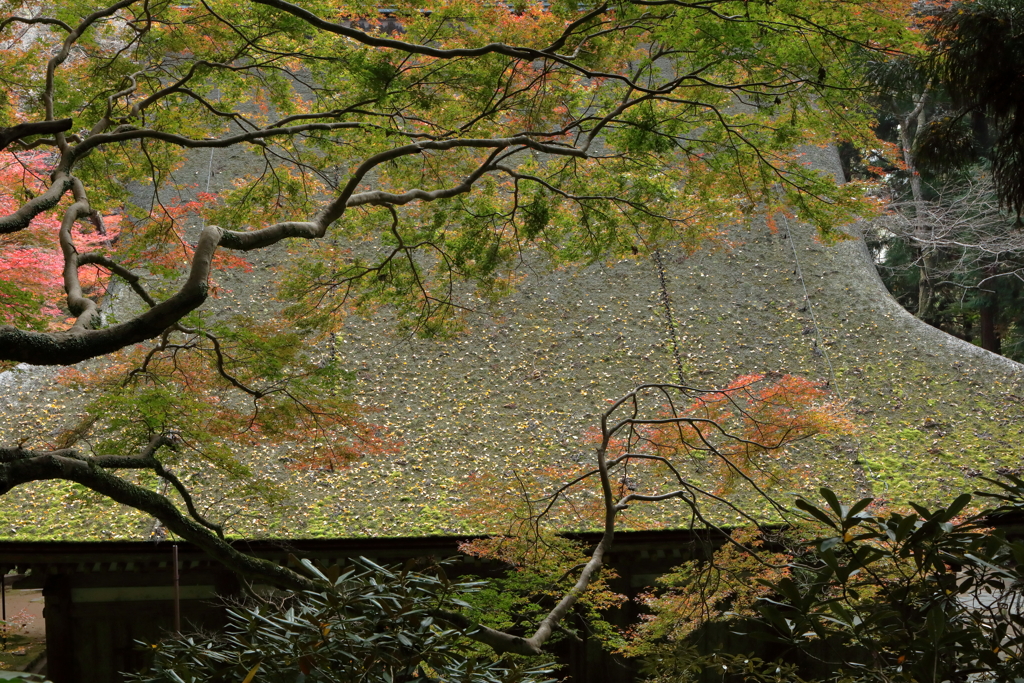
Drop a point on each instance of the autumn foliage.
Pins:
(663, 443)
(701, 592)
(222, 388)
(31, 263)
(404, 171)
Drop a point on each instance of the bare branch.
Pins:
(128, 276)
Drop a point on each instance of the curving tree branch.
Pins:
(20, 466)
(24, 130)
(80, 343)
(620, 131)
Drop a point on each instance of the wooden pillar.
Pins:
(58, 611)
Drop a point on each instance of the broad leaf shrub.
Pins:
(853, 594)
(370, 623)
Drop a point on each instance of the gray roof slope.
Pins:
(529, 378)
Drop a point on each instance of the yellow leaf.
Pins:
(252, 673)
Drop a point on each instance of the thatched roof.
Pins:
(534, 370)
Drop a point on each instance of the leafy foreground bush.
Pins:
(855, 594)
(373, 625)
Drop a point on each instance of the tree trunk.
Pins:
(916, 120)
(989, 336)
(925, 287)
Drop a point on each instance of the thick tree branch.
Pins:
(533, 645)
(19, 466)
(35, 20)
(126, 133)
(77, 344)
(499, 641)
(402, 46)
(515, 52)
(24, 130)
(83, 308)
(20, 219)
(257, 239)
(80, 343)
(187, 497)
(63, 53)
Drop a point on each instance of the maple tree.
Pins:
(658, 443)
(30, 273)
(419, 623)
(453, 144)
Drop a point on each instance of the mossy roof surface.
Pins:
(532, 373)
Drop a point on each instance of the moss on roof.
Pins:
(522, 385)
